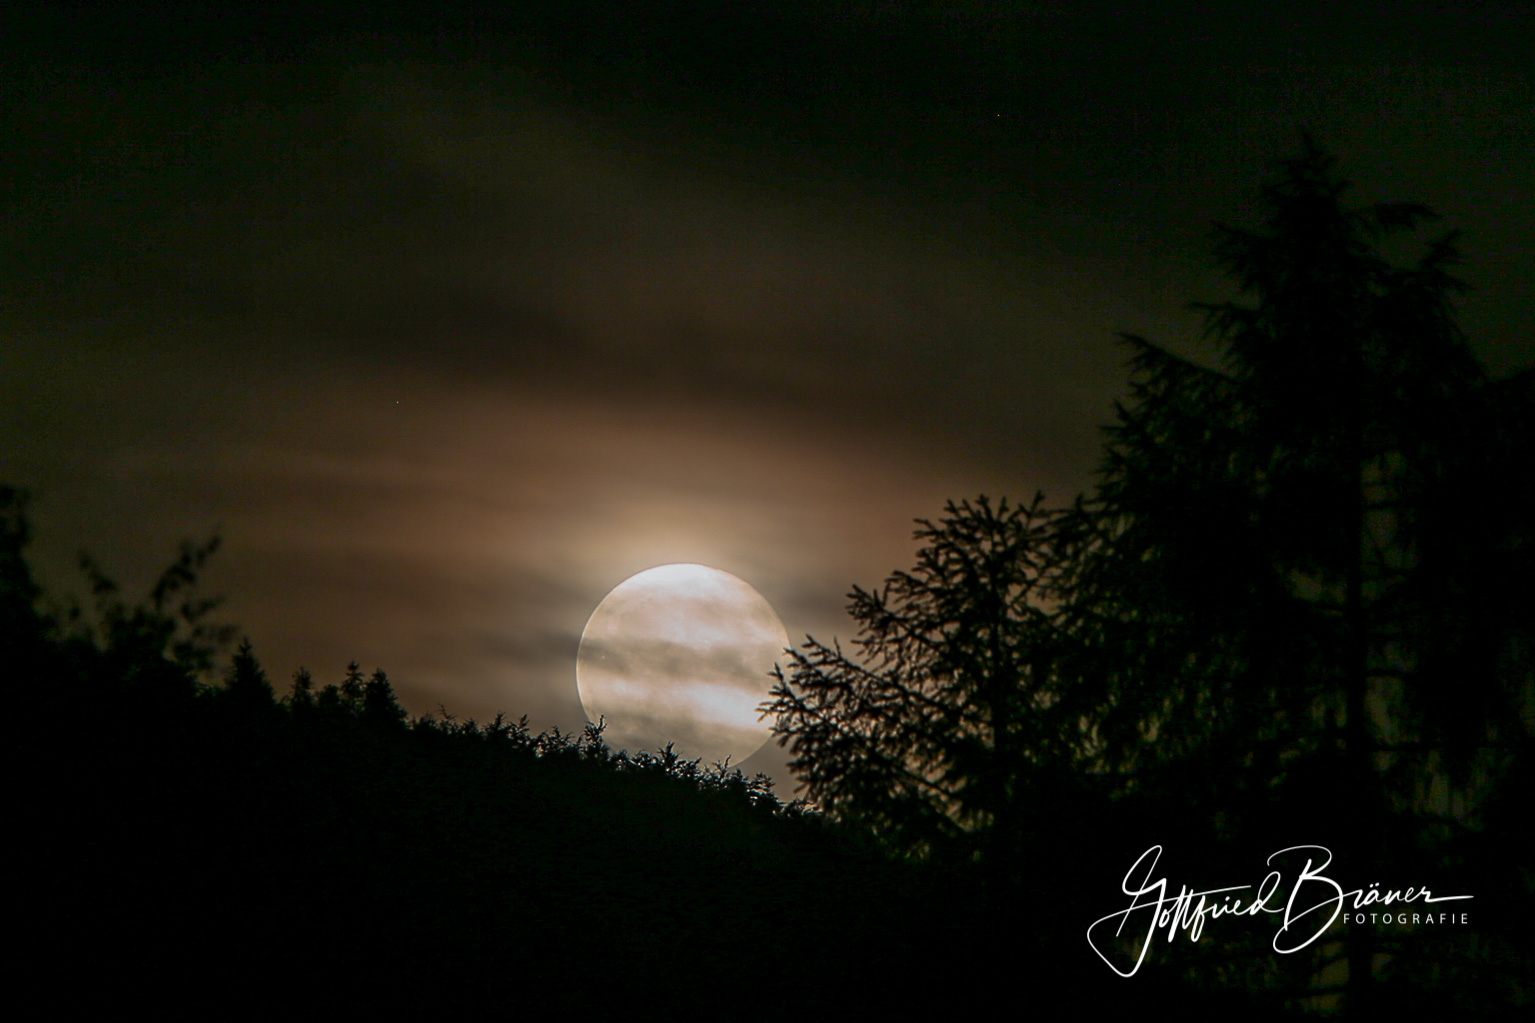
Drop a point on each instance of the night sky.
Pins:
(449, 322)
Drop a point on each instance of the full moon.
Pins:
(681, 654)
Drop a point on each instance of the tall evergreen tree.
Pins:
(378, 702)
(352, 687)
(247, 688)
(1279, 540)
(302, 698)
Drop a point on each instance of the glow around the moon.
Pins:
(681, 653)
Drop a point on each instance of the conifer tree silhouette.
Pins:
(937, 735)
(247, 687)
(378, 702)
(352, 687)
(302, 698)
(1267, 568)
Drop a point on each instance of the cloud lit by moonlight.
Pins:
(681, 653)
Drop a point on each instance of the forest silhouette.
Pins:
(1282, 617)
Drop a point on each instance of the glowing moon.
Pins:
(681, 653)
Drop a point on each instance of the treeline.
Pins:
(220, 841)
(221, 847)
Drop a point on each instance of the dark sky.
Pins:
(450, 321)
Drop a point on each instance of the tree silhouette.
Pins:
(352, 687)
(378, 702)
(938, 736)
(247, 688)
(22, 628)
(1279, 558)
(302, 699)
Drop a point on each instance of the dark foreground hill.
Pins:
(218, 850)
(202, 854)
